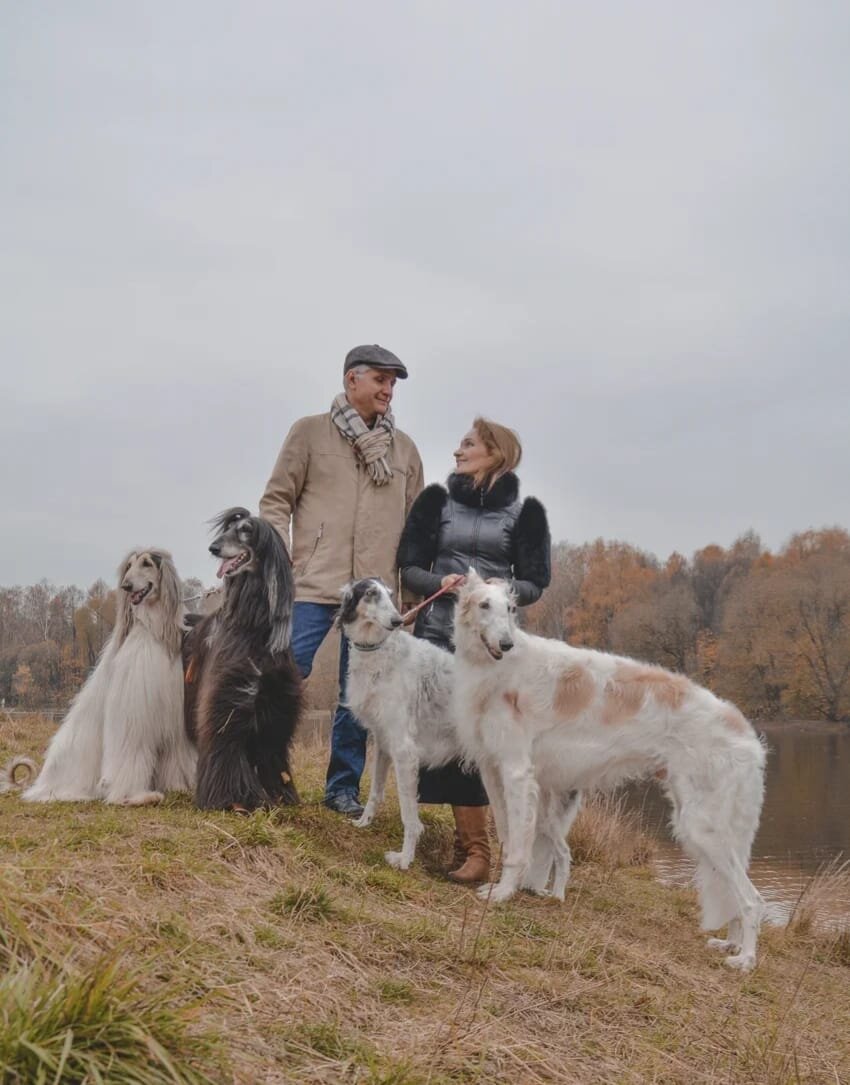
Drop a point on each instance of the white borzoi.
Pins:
(400, 689)
(538, 714)
(123, 739)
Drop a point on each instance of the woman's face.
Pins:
(472, 456)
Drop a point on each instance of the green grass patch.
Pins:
(59, 1027)
(311, 903)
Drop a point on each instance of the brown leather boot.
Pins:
(471, 828)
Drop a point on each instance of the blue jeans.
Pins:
(311, 623)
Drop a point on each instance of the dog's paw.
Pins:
(723, 944)
(496, 893)
(396, 859)
(744, 962)
(364, 821)
(142, 798)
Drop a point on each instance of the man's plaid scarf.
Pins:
(370, 445)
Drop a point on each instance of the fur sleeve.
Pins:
(417, 549)
(532, 552)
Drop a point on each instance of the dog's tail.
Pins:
(18, 772)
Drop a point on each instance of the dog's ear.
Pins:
(473, 580)
(125, 565)
(224, 519)
(124, 613)
(345, 611)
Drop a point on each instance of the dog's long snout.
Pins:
(506, 645)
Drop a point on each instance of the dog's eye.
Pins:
(484, 606)
(146, 563)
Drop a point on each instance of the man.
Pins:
(344, 483)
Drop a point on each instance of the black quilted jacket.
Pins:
(491, 531)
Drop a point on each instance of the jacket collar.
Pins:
(504, 492)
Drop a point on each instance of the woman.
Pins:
(478, 522)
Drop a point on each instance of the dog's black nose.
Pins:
(396, 622)
(126, 587)
(506, 645)
(215, 548)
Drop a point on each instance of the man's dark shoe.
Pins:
(344, 804)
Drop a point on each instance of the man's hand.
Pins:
(452, 580)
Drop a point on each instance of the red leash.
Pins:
(411, 614)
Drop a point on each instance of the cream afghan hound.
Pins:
(541, 717)
(123, 739)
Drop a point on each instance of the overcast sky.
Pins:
(621, 228)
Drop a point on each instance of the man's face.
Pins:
(371, 393)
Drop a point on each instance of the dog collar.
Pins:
(366, 647)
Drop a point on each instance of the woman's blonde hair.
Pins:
(504, 446)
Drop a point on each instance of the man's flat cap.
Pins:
(376, 358)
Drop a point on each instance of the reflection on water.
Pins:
(805, 821)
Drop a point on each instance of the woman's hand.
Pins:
(453, 580)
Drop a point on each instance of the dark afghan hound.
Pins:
(243, 689)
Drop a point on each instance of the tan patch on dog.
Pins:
(574, 691)
(660, 774)
(630, 684)
(734, 719)
(624, 698)
(511, 699)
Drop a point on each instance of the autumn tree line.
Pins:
(769, 631)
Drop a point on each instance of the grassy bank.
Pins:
(178, 946)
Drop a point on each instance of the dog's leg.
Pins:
(734, 938)
(723, 884)
(226, 778)
(521, 795)
(406, 764)
(495, 793)
(376, 791)
(129, 765)
(567, 811)
(176, 770)
(540, 868)
(177, 757)
(551, 852)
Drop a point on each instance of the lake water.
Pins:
(805, 821)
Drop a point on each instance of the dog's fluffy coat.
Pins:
(541, 717)
(243, 689)
(399, 687)
(123, 739)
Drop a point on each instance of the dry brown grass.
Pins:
(608, 834)
(285, 937)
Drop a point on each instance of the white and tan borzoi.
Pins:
(123, 739)
(400, 689)
(538, 715)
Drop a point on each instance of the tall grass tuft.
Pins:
(824, 894)
(58, 1027)
(611, 836)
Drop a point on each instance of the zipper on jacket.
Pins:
(476, 531)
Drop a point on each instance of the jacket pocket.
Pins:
(312, 554)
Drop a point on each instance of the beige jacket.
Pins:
(342, 525)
